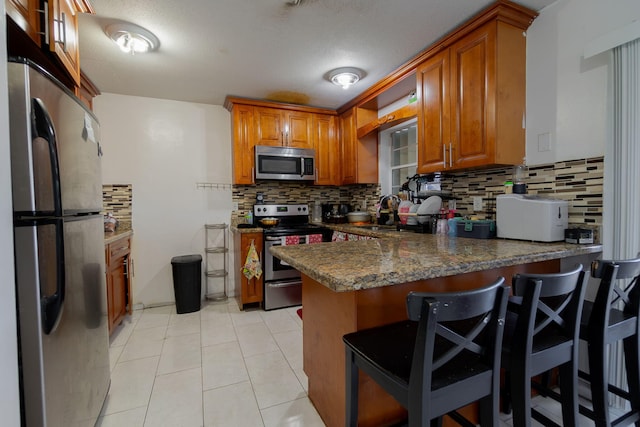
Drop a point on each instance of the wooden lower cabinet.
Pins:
(247, 291)
(118, 268)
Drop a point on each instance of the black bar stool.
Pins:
(543, 319)
(613, 317)
(444, 357)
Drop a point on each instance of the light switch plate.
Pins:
(235, 206)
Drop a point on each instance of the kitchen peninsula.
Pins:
(354, 285)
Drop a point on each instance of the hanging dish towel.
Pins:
(314, 238)
(252, 265)
(289, 240)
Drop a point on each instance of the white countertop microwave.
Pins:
(285, 163)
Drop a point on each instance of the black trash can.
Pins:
(187, 282)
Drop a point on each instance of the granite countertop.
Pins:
(123, 230)
(401, 257)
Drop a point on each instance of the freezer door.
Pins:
(55, 153)
(65, 372)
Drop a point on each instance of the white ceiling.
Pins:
(266, 49)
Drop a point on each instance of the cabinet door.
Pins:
(348, 139)
(25, 14)
(117, 299)
(243, 156)
(63, 36)
(298, 131)
(434, 113)
(269, 128)
(473, 88)
(252, 290)
(327, 150)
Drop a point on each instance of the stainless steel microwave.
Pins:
(285, 163)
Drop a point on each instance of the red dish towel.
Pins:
(314, 238)
(291, 240)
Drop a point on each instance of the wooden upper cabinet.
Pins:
(283, 128)
(432, 81)
(472, 101)
(86, 91)
(327, 150)
(63, 36)
(25, 14)
(256, 122)
(359, 155)
(243, 143)
(348, 140)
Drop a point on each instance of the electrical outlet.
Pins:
(477, 203)
(235, 206)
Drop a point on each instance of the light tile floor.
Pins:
(217, 367)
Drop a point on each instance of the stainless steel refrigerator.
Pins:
(59, 251)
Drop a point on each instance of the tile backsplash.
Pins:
(361, 197)
(117, 199)
(580, 182)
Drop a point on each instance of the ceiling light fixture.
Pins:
(132, 39)
(346, 76)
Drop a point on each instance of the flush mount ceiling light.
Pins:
(346, 76)
(132, 39)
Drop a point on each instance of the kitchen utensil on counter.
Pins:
(404, 208)
(358, 216)
(430, 206)
(269, 221)
(520, 174)
(317, 212)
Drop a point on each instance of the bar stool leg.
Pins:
(599, 372)
(351, 390)
(568, 387)
(521, 395)
(632, 364)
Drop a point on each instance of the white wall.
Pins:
(9, 393)
(163, 148)
(567, 96)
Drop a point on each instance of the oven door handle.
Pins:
(283, 284)
(273, 239)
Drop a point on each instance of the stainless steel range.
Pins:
(283, 283)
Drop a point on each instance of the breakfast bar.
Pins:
(354, 285)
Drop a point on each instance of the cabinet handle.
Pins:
(125, 261)
(444, 156)
(450, 155)
(131, 266)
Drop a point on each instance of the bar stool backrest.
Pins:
(612, 291)
(551, 304)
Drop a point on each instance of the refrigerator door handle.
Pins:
(42, 127)
(51, 305)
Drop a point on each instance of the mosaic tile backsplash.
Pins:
(580, 182)
(117, 200)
